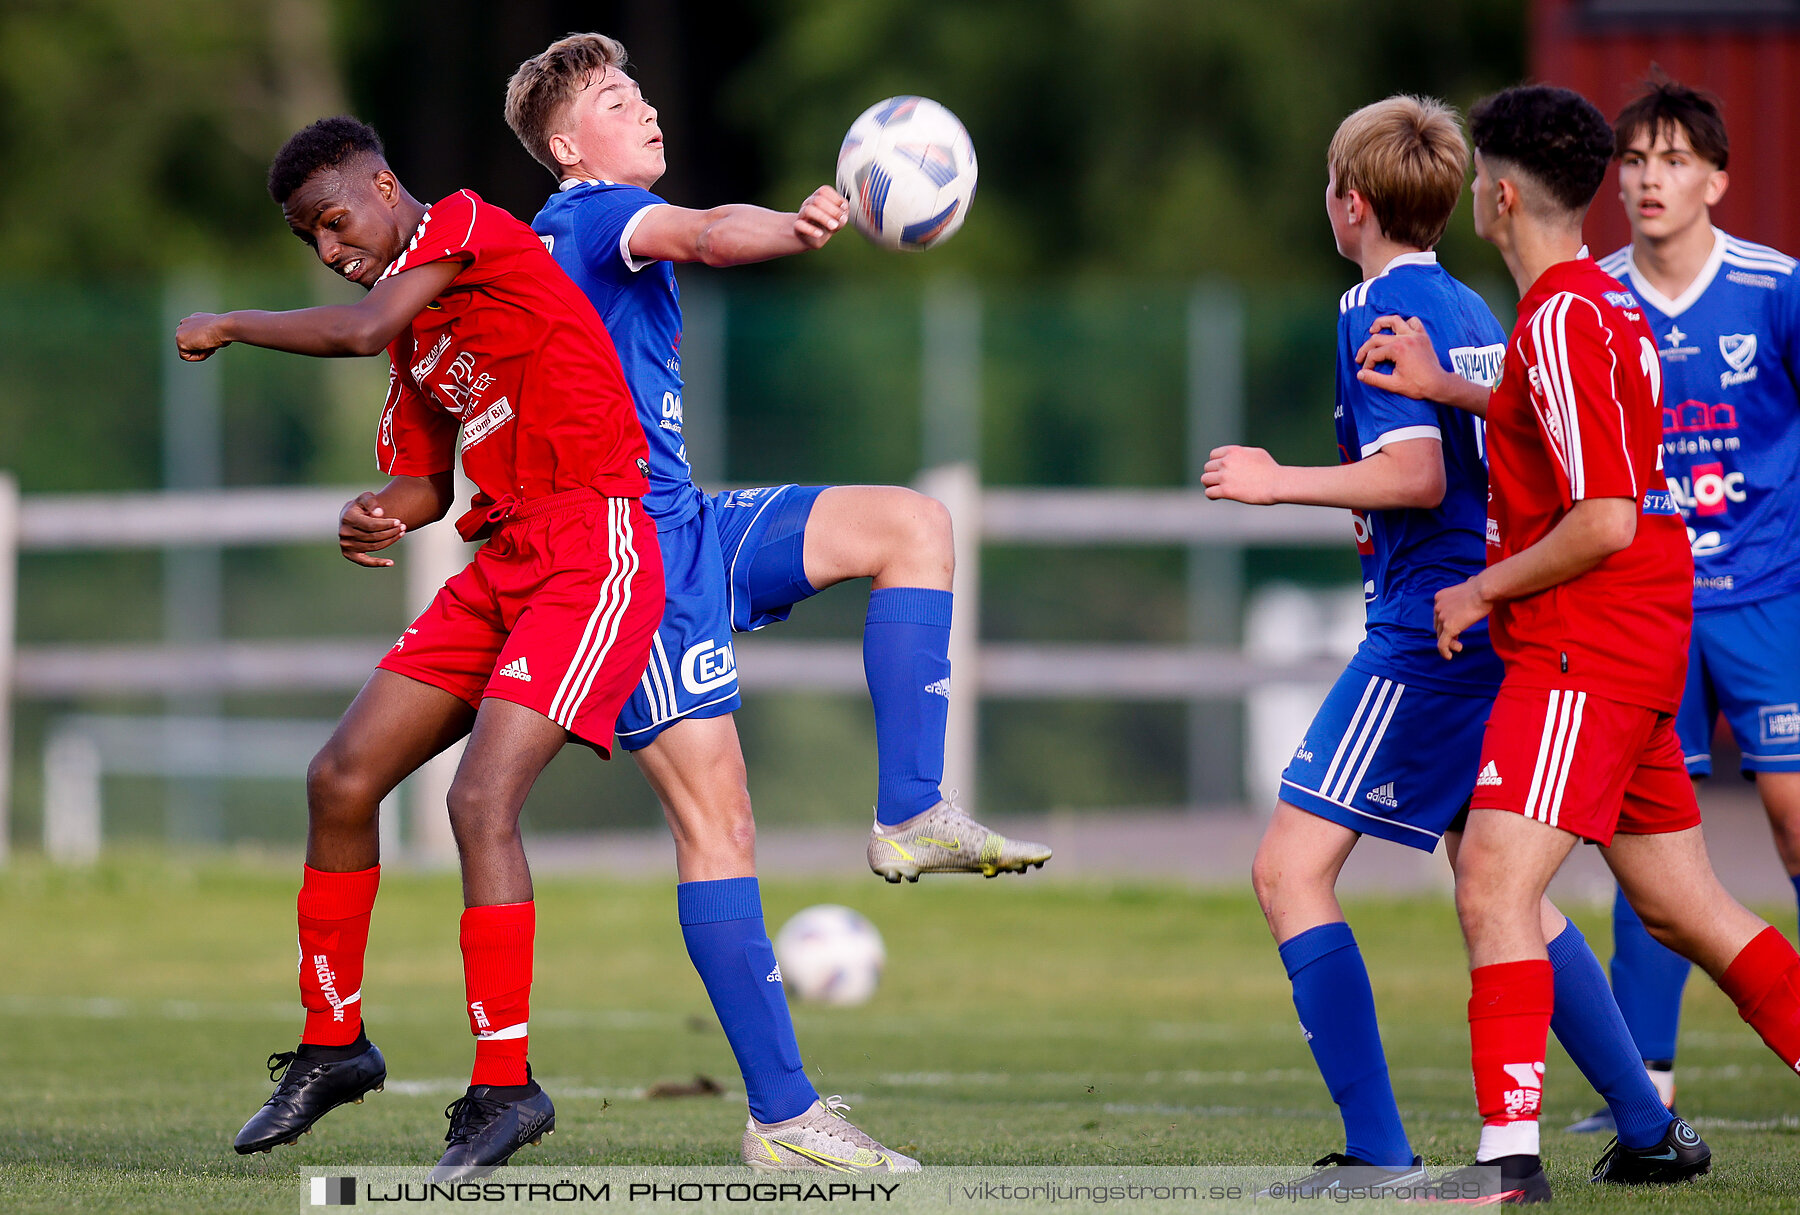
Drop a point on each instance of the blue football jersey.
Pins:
(1409, 555)
(1730, 351)
(587, 227)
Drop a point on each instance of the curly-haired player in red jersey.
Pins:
(541, 639)
(1589, 584)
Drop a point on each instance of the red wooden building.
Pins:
(1747, 52)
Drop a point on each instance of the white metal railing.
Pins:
(983, 670)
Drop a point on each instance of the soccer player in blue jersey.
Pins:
(1414, 475)
(1727, 316)
(739, 561)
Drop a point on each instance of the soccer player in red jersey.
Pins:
(539, 640)
(1589, 584)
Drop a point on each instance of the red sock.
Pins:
(1509, 1024)
(1764, 982)
(496, 946)
(334, 933)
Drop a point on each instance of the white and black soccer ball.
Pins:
(830, 955)
(907, 168)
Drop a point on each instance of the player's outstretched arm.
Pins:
(372, 521)
(333, 330)
(1593, 530)
(1409, 473)
(1416, 372)
(738, 234)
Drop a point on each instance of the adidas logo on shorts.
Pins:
(1490, 775)
(1383, 795)
(516, 669)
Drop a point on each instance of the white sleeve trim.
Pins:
(1400, 436)
(634, 264)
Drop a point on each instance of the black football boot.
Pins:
(306, 1090)
(1681, 1154)
(489, 1123)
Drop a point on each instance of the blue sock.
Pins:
(1647, 980)
(722, 923)
(1588, 1024)
(906, 657)
(1337, 1014)
(1796, 881)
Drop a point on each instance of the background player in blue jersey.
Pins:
(1726, 314)
(1393, 751)
(739, 561)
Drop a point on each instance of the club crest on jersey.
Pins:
(1739, 350)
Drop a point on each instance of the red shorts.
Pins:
(1583, 763)
(555, 613)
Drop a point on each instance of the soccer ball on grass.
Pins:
(830, 955)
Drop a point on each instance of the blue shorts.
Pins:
(1744, 662)
(736, 566)
(1389, 759)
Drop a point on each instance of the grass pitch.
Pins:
(1020, 1022)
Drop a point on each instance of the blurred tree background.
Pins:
(1129, 149)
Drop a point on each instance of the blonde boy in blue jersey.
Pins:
(1414, 476)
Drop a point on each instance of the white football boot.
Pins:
(944, 839)
(821, 1140)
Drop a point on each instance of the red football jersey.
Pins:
(1578, 414)
(513, 356)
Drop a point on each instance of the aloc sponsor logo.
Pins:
(1708, 489)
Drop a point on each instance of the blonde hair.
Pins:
(1407, 157)
(545, 84)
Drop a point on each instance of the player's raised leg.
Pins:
(392, 727)
(902, 541)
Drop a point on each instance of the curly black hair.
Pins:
(326, 144)
(1555, 136)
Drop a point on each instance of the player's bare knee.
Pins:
(1265, 879)
(738, 833)
(931, 528)
(918, 536)
(340, 790)
(932, 534)
(1479, 896)
(716, 824)
(480, 813)
(1281, 886)
(1661, 919)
